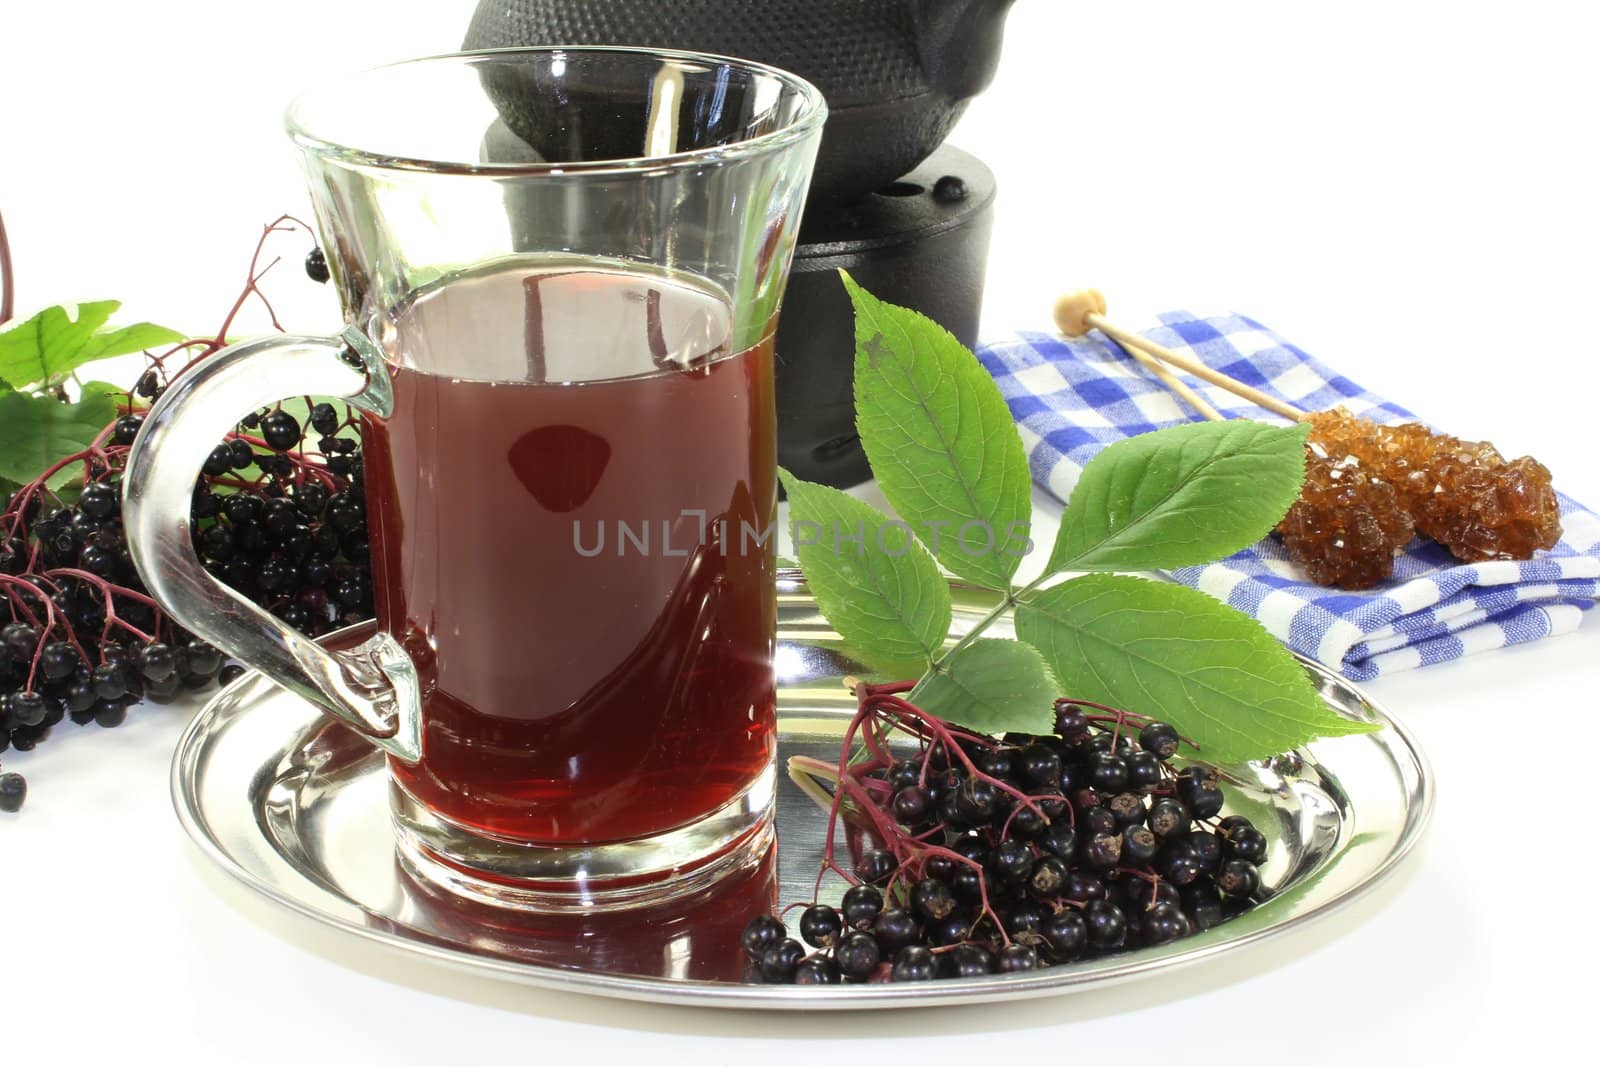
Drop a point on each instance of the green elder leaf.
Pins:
(37, 431)
(1180, 496)
(940, 440)
(874, 583)
(992, 686)
(1175, 653)
(52, 343)
(120, 342)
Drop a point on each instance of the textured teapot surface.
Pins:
(896, 73)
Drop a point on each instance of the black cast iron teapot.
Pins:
(897, 73)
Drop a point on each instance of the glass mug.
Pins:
(560, 270)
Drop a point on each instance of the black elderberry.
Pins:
(875, 865)
(895, 929)
(57, 660)
(818, 970)
(1202, 798)
(199, 659)
(277, 575)
(280, 430)
(1237, 878)
(24, 738)
(80, 697)
(294, 616)
(967, 884)
(218, 462)
(1144, 772)
(1048, 876)
(967, 961)
(1024, 917)
(1082, 886)
(1178, 867)
(1161, 924)
(932, 900)
(1071, 723)
(1203, 904)
(1095, 821)
(110, 714)
(912, 806)
(13, 792)
(157, 661)
(99, 561)
(241, 507)
(1040, 766)
(28, 708)
(240, 454)
(1011, 861)
(125, 429)
(902, 775)
(761, 933)
(820, 925)
(858, 955)
(19, 640)
(915, 963)
(1245, 843)
(861, 904)
(976, 802)
(164, 690)
(1065, 934)
(1168, 819)
(230, 674)
(1159, 739)
(1106, 924)
(311, 498)
(1139, 846)
(1205, 848)
(779, 962)
(99, 500)
(1016, 957)
(1026, 821)
(324, 419)
(951, 930)
(1061, 839)
(1127, 808)
(1103, 851)
(317, 266)
(998, 762)
(1108, 774)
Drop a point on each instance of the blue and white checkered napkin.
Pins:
(1073, 397)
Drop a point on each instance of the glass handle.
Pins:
(374, 687)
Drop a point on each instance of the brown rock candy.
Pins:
(1346, 525)
(1463, 494)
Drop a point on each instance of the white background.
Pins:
(1407, 190)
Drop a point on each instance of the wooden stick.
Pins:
(1077, 313)
(1174, 383)
(1196, 368)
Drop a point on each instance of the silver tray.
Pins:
(296, 808)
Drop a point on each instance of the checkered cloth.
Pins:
(1071, 398)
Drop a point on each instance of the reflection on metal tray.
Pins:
(296, 808)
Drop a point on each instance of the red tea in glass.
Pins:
(569, 516)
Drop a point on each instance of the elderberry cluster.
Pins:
(80, 637)
(296, 542)
(1035, 851)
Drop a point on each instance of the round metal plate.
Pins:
(296, 808)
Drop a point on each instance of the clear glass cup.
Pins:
(561, 270)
